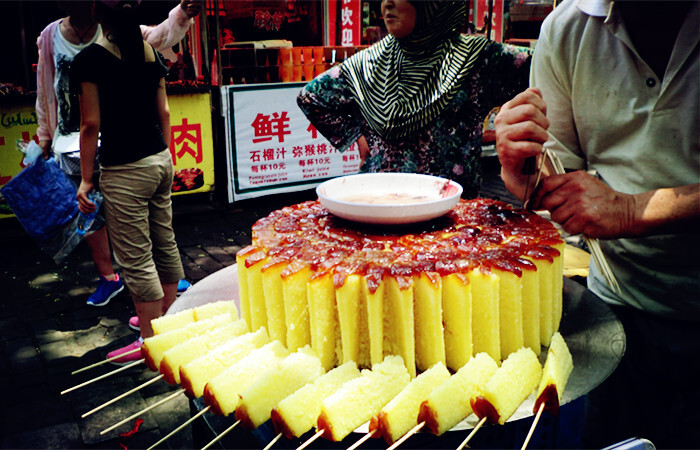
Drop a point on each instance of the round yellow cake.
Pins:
(483, 278)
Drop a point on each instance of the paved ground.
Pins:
(47, 331)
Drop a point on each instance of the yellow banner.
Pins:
(191, 142)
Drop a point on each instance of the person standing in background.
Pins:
(121, 81)
(58, 114)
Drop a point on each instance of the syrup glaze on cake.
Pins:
(485, 244)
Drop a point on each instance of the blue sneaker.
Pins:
(105, 291)
(182, 286)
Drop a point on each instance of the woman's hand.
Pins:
(45, 148)
(582, 203)
(521, 129)
(363, 148)
(85, 205)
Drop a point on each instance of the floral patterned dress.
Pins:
(448, 147)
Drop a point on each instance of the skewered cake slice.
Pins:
(195, 374)
(171, 322)
(401, 413)
(509, 386)
(193, 348)
(222, 392)
(361, 398)
(293, 372)
(557, 369)
(449, 403)
(154, 347)
(209, 310)
(297, 413)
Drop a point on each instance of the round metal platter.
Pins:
(591, 330)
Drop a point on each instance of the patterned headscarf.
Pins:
(401, 85)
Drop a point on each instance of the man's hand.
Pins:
(582, 203)
(192, 8)
(521, 129)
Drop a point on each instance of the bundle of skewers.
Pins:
(212, 354)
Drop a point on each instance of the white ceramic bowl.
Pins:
(389, 198)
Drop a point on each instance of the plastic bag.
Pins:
(44, 200)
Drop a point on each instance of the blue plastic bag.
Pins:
(43, 198)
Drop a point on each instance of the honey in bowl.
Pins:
(388, 199)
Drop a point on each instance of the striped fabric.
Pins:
(401, 85)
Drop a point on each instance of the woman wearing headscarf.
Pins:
(416, 101)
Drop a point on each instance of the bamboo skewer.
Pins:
(318, 434)
(160, 402)
(105, 361)
(362, 440)
(405, 437)
(187, 422)
(553, 165)
(119, 397)
(224, 433)
(532, 427)
(478, 425)
(273, 441)
(103, 376)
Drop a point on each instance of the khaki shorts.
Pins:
(139, 216)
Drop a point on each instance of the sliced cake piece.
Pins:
(171, 322)
(193, 348)
(401, 413)
(154, 347)
(531, 308)
(374, 296)
(222, 392)
(448, 404)
(296, 306)
(486, 335)
(256, 295)
(517, 377)
(457, 316)
(399, 334)
(274, 300)
(428, 314)
(349, 300)
(323, 320)
(195, 374)
(557, 369)
(297, 413)
(293, 372)
(545, 272)
(361, 398)
(209, 310)
(510, 297)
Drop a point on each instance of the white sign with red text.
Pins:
(272, 147)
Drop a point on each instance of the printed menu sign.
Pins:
(272, 147)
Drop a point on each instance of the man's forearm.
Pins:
(669, 210)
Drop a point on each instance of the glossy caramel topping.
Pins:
(479, 233)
